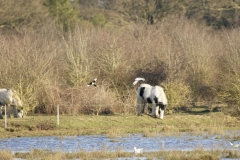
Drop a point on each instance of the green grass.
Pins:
(118, 125)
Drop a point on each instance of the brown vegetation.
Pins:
(50, 60)
(104, 154)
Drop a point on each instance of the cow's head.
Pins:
(162, 109)
(16, 101)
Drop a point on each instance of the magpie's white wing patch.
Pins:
(93, 83)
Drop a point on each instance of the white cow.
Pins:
(151, 94)
(9, 98)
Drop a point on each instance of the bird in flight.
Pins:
(93, 83)
(138, 150)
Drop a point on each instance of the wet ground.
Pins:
(185, 141)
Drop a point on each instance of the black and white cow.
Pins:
(153, 95)
(9, 98)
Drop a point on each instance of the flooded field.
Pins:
(182, 142)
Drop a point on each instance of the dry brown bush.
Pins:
(26, 65)
(86, 100)
(24, 16)
(53, 67)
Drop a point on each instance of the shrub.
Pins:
(24, 16)
(99, 20)
(178, 94)
(80, 100)
(65, 14)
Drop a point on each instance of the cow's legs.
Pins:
(161, 113)
(157, 111)
(154, 109)
(15, 112)
(162, 109)
(145, 110)
(142, 108)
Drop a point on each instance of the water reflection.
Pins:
(126, 143)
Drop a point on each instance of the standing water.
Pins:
(184, 142)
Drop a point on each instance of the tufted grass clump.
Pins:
(6, 155)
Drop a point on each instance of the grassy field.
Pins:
(196, 121)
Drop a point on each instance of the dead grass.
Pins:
(167, 155)
(6, 155)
